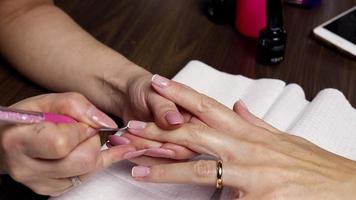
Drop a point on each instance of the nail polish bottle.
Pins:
(272, 40)
(221, 11)
(250, 17)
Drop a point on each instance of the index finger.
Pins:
(71, 104)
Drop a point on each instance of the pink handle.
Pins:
(251, 17)
(56, 118)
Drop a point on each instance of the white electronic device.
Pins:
(340, 32)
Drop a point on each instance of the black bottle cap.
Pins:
(273, 39)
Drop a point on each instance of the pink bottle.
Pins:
(250, 17)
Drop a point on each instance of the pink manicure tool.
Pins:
(12, 115)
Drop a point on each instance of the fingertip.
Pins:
(118, 140)
(100, 118)
(159, 81)
(242, 104)
(136, 125)
(174, 118)
(240, 107)
(140, 171)
(154, 77)
(165, 112)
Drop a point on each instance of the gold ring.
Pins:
(219, 173)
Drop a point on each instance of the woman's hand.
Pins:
(78, 62)
(142, 102)
(43, 156)
(259, 162)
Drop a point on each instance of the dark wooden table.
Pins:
(163, 35)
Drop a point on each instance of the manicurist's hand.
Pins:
(142, 102)
(79, 62)
(45, 156)
(258, 161)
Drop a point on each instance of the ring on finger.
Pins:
(219, 173)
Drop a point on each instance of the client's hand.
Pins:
(44, 156)
(259, 162)
(138, 100)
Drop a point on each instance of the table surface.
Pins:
(163, 35)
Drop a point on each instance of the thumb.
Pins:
(164, 111)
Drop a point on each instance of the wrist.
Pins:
(122, 82)
(122, 77)
(111, 86)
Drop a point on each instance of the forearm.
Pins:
(47, 46)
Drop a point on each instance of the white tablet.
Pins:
(340, 31)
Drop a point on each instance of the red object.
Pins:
(251, 17)
(56, 118)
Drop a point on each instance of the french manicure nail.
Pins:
(174, 118)
(160, 81)
(160, 153)
(118, 140)
(101, 118)
(243, 105)
(136, 125)
(140, 171)
(135, 154)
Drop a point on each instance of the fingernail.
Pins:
(91, 132)
(117, 140)
(160, 81)
(136, 125)
(135, 154)
(160, 153)
(101, 118)
(109, 145)
(243, 105)
(140, 171)
(174, 118)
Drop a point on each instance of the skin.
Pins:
(37, 38)
(259, 161)
(43, 156)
